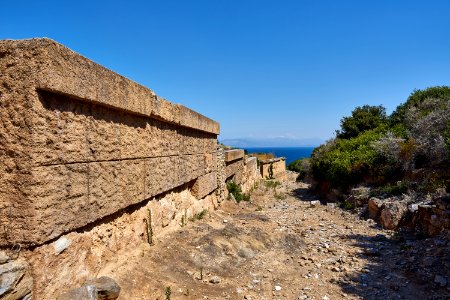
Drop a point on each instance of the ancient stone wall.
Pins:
(80, 142)
(241, 168)
(234, 165)
(251, 174)
(274, 168)
(93, 164)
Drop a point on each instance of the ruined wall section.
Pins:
(276, 166)
(234, 165)
(251, 174)
(241, 168)
(80, 142)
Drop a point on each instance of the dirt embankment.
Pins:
(280, 246)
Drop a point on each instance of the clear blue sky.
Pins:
(260, 68)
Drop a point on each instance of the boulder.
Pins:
(86, 292)
(107, 288)
(360, 196)
(432, 220)
(392, 212)
(374, 208)
(103, 288)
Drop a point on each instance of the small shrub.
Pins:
(199, 216)
(391, 190)
(301, 166)
(347, 205)
(168, 292)
(272, 184)
(279, 196)
(236, 191)
(295, 166)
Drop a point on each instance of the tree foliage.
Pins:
(363, 118)
(416, 98)
(374, 149)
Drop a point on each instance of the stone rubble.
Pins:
(15, 278)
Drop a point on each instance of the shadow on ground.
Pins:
(305, 194)
(399, 267)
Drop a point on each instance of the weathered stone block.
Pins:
(231, 155)
(205, 185)
(234, 168)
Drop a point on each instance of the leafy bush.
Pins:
(416, 98)
(236, 191)
(347, 161)
(295, 166)
(401, 187)
(428, 124)
(301, 166)
(413, 143)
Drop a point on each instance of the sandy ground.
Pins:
(276, 246)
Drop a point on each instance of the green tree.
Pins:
(363, 118)
(416, 98)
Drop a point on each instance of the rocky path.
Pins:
(283, 245)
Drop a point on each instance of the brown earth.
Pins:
(280, 246)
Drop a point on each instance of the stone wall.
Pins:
(80, 142)
(275, 165)
(241, 168)
(234, 165)
(251, 174)
(92, 164)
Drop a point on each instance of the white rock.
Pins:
(215, 279)
(3, 257)
(61, 244)
(277, 288)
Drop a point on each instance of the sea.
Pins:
(291, 153)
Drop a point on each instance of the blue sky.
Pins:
(262, 69)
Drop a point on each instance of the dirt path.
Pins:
(279, 246)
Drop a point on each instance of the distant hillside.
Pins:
(272, 142)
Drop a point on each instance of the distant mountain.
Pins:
(272, 142)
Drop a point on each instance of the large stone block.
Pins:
(234, 168)
(232, 155)
(205, 185)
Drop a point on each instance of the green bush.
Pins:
(397, 189)
(347, 161)
(416, 98)
(295, 166)
(236, 191)
(413, 143)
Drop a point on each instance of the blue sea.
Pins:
(291, 153)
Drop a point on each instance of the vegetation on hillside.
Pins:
(410, 149)
(236, 190)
